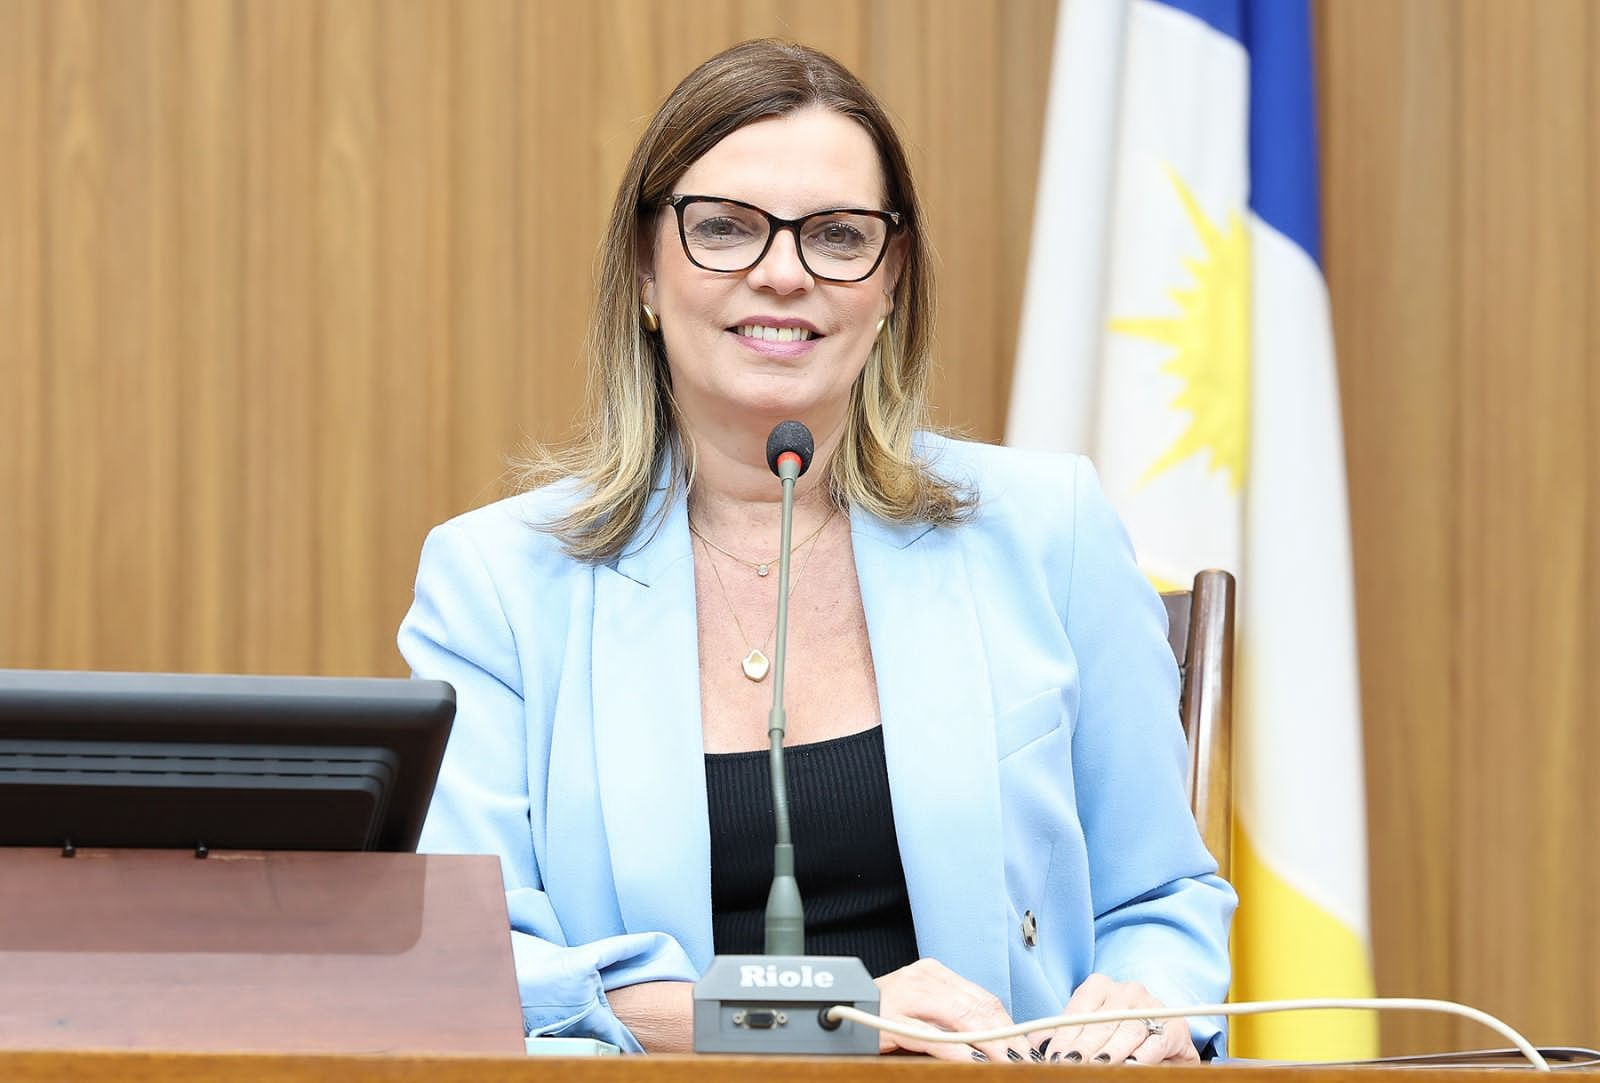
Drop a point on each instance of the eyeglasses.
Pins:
(725, 235)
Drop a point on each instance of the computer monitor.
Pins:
(158, 760)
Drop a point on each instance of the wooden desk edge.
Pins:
(34, 1066)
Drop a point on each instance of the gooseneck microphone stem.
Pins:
(786, 923)
(778, 1002)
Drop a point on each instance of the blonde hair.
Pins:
(632, 427)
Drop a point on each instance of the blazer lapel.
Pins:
(938, 718)
(938, 721)
(649, 748)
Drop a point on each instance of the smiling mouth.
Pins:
(773, 334)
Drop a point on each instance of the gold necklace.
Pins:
(756, 664)
(762, 567)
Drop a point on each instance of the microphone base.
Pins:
(755, 1004)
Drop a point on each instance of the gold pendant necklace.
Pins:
(756, 664)
(762, 567)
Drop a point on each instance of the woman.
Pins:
(988, 772)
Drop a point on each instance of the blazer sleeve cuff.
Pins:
(563, 989)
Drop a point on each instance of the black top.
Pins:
(847, 860)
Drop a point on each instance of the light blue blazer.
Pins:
(1029, 707)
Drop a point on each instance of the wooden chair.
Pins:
(1200, 629)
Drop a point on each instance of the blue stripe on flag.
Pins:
(1283, 127)
(1223, 16)
(1283, 121)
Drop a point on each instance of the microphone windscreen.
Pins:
(790, 436)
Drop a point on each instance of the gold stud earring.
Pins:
(648, 317)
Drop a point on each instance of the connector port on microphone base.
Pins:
(757, 1005)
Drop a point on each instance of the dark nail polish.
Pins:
(979, 1055)
(1012, 1054)
(1036, 1056)
(1074, 1056)
(1044, 1046)
(1133, 1060)
(1102, 1058)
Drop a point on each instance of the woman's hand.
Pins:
(929, 992)
(1114, 1043)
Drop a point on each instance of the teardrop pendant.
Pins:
(756, 665)
(761, 570)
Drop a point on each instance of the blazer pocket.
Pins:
(1028, 721)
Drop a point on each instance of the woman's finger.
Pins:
(1178, 1042)
(1064, 1041)
(951, 1051)
(931, 994)
(1009, 1051)
(1153, 1050)
(1092, 1040)
(1114, 1043)
(976, 1009)
(1124, 1038)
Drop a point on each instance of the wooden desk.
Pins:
(36, 1067)
(336, 953)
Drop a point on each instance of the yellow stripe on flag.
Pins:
(1303, 952)
(1164, 585)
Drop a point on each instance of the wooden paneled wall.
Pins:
(1461, 167)
(283, 282)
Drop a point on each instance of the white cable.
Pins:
(841, 1013)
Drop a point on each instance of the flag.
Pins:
(1176, 329)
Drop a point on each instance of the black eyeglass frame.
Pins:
(775, 225)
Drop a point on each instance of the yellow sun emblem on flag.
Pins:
(1210, 339)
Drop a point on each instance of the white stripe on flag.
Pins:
(1063, 307)
(1298, 779)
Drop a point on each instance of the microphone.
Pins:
(789, 438)
(779, 1002)
(789, 451)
